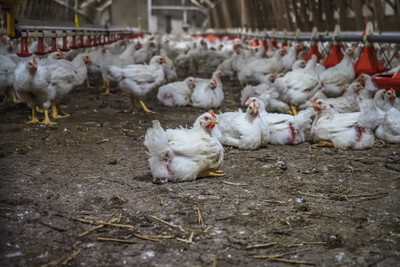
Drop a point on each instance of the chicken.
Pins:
(121, 60)
(287, 129)
(169, 69)
(370, 87)
(7, 67)
(177, 93)
(256, 91)
(32, 87)
(389, 129)
(254, 71)
(207, 95)
(299, 85)
(244, 130)
(182, 154)
(348, 101)
(65, 76)
(338, 75)
(341, 130)
(138, 80)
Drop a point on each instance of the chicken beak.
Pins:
(254, 110)
(214, 121)
(312, 105)
(393, 97)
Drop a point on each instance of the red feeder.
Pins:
(64, 47)
(88, 41)
(274, 43)
(255, 43)
(81, 42)
(334, 57)
(24, 47)
(53, 44)
(265, 44)
(314, 51)
(73, 45)
(368, 62)
(40, 49)
(384, 81)
(95, 41)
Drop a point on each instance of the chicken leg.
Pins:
(34, 117)
(47, 120)
(323, 143)
(133, 100)
(106, 85)
(293, 108)
(211, 173)
(56, 112)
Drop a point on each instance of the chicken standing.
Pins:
(65, 76)
(176, 93)
(182, 154)
(138, 80)
(7, 67)
(246, 130)
(32, 87)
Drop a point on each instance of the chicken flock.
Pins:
(288, 100)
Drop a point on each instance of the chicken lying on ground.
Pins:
(244, 130)
(182, 154)
(287, 129)
(138, 80)
(389, 129)
(176, 93)
(341, 130)
(207, 95)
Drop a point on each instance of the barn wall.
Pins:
(305, 14)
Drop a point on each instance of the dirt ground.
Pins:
(323, 207)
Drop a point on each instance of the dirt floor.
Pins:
(323, 207)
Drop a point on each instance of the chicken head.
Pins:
(208, 120)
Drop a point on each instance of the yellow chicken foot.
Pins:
(88, 83)
(323, 143)
(145, 108)
(47, 120)
(34, 117)
(56, 113)
(293, 109)
(14, 98)
(40, 110)
(107, 86)
(211, 173)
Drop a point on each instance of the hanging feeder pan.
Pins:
(387, 81)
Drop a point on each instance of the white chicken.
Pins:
(254, 71)
(287, 129)
(244, 130)
(32, 87)
(369, 86)
(182, 154)
(207, 95)
(389, 129)
(138, 80)
(256, 91)
(7, 67)
(341, 130)
(338, 75)
(348, 101)
(176, 93)
(64, 77)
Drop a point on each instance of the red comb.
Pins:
(393, 92)
(315, 100)
(212, 114)
(34, 60)
(215, 82)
